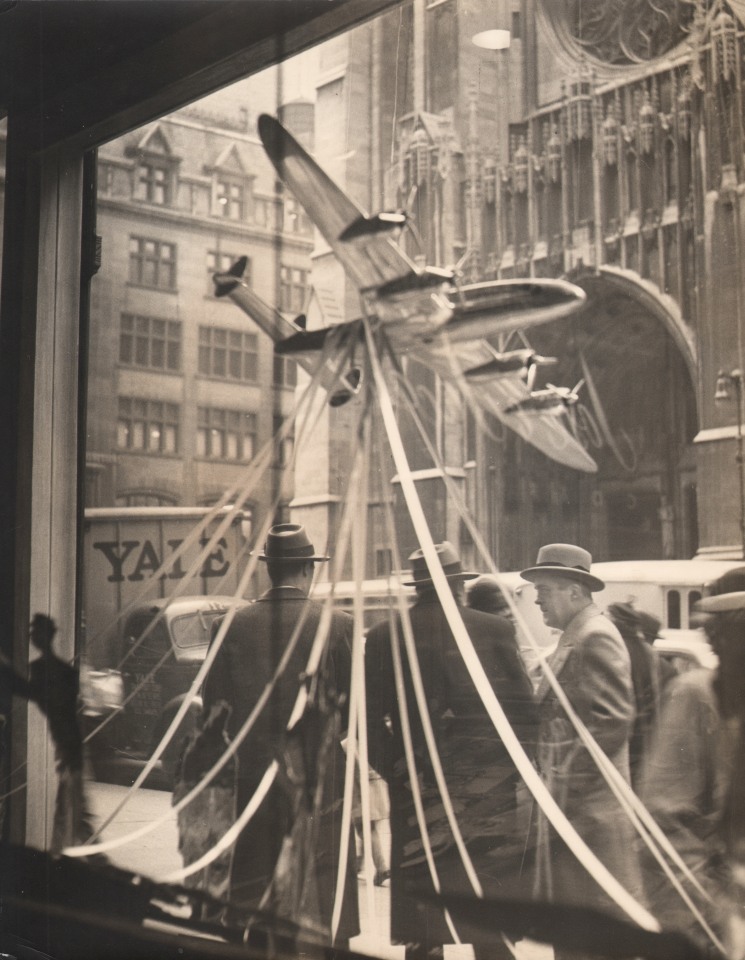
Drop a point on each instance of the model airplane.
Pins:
(551, 400)
(422, 312)
(523, 363)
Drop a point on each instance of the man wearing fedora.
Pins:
(693, 780)
(593, 667)
(477, 768)
(247, 661)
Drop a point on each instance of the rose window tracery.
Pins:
(624, 31)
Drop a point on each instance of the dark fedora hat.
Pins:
(724, 594)
(289, 541)
(565, 560)
(449, 560)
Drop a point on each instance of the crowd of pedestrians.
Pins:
(461, 819)
(440, 777)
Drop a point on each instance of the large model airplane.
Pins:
(421, 312)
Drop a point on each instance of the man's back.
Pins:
(249, 657)
(464, 732)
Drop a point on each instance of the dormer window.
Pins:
(154, 182)
(232, 193)
(156, 169)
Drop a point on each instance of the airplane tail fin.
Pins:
(227, 281)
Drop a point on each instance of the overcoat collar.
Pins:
(569, 637)
(287, 592)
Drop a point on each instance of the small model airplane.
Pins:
(523, 363)
(551, 400)
(422, 312)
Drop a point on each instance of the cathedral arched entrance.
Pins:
(636, 415)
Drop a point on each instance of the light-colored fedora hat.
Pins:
(724, 594)
(449, 560)
(289, 541)
(565, 560)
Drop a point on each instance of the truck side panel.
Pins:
(124, 550)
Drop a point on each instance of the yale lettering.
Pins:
(136, 560)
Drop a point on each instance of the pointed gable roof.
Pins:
(155, 140)
(228, 161)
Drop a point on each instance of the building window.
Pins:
(442, 39)
(284, 448)
(149, 425)
(632, 187)
(231, 199)
(285, 372)
(383, 561)
(220, 262)
(293, 289)
(150, 342)
(152, 263)
(228, 354)
(295, 217)
(225, 434)
(145, 498)
(154, 182)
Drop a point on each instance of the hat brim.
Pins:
(463, 575)
(263, 556)
(534, 573)
(722, 602)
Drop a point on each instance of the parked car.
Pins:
(164, 645)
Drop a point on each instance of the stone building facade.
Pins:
(183, 389)
(605, 146)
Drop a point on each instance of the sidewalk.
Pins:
(156, 855)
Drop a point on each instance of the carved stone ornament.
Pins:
(622, 31)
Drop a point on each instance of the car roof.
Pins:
(188, 604)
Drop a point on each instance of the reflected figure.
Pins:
(645, 680)
(380, 838)
(205, 819)
(692, 780)
(486, 595)
(54, 687)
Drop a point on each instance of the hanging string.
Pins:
(558, 819)
(640, 817)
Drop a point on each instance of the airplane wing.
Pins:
(363, 244)
(544, 430)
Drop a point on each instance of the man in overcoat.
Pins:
(246, 662)
(478, 771)
(593, 668)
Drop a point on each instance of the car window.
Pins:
(194, 629)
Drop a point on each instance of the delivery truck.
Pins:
(153, 586)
